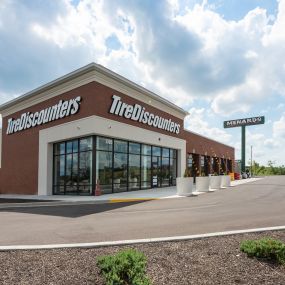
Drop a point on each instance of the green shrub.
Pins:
(265, 248)
(127, 267)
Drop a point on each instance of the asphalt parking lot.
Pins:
(253, 205)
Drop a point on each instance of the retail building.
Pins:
(95, 125)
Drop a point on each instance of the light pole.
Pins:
(251, 161)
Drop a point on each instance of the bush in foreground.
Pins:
(265, 248)
(127, 267)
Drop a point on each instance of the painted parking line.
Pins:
(138, 241)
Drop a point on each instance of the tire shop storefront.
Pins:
(93, 125)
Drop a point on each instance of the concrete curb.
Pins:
(137, 241)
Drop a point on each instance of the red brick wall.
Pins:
(204, 146)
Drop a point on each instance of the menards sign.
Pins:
(244, 122)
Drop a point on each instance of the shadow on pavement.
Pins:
(71, 211)
(15, 200)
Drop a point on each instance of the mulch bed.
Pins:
(207, 261)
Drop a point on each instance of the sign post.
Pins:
(243, 123)
(243, 148)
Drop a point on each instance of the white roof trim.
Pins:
(94, 69)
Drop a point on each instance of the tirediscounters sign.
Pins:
(140, 114)
(244, 122)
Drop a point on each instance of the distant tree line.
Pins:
(270, 169)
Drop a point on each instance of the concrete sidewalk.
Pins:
(150, 194)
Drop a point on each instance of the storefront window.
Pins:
(120, 172)
(85, 173)
(104, 170)
(173, 153)
(165, 171)
(146, 171)
(86, 144)
(119, 166)
(156, 151)
(165, 152)
(172, 171)
(104, 144)
(73, 168)
(120, 146)
(146, 149)
(134, 171)
(134, 148)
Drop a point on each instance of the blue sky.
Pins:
(219, 60)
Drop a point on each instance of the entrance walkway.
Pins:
(150, 194)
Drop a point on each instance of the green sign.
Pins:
(244, 122)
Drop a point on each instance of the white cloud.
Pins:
(280, 106)
(279, 128)
(196, 122)
(185, 54)
(180, 53)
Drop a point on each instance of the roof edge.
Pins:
(83, 70)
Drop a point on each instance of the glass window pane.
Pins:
(104, 167)
(104, 144)
(62, 170)
(106, 189)
(165, 152)
(86, 144)
(145, 184)
(134, 171)
(120, 146)
(85, 189)
(146, 168)
(120, 172)
(75, 145)
(173, 173)
(146, 149)
(68, 168)
(156, 151)
(156, 171)
(165, 172)
(85, 168)
(190, 165)
(75, 168)
(59, 148)
(134, 148)
(58, 189)
(59, 170)
(173, 153)
(69, 147)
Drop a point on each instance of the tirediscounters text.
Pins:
(30, 120)
(139, 114)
